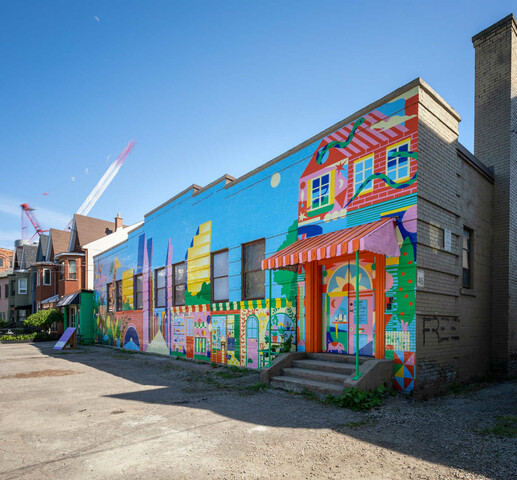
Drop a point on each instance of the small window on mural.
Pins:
(138, 288)
(220, 276)
(109, 297)
(467, 258)
(397, 165)
(160, 287)
(362, 170)
(179, 283)
(320, 192)
(118, 289)
(253, 277)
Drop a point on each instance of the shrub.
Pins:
(43, 319)
(18, 338)
(355, 399)
(3, 323)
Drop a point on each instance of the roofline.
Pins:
(128, 230)
(509, 20)
(72, 254)
(475, 162)
(231, 181)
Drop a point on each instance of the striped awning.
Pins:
(376, 237)
(72, 299)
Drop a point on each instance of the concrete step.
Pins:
(300, 385)
(317, 376)
(336, 357)
(324, 366)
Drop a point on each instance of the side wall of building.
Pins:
(452, 323)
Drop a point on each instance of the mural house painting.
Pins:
(191, 280)
(377, 236)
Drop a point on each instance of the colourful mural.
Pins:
(364, 171)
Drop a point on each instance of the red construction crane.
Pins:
(27, 213)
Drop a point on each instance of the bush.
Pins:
(43, 319)
(3, 323)
(18, 338)
(355, 399)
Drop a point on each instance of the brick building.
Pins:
(6, 260)
(382, 236)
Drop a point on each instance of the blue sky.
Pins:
(204, 87)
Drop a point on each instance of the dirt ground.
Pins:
(105, 413)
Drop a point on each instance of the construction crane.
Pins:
(27, 213)
(106, 179)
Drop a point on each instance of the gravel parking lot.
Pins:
(104, 413)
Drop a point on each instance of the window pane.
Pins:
(221, 289)
(315, 183)
(46, 277)
(403, 172)
(368, 164)
(71, 266)
(160, 297)
(179, 291)
(324, 190)
(254, 285)
(221, 264)
(179, 273)
(253, 256)
(160, 278)
(325, 179)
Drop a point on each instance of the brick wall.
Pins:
(452, 324)
(496, 145)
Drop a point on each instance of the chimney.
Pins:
(495, 144)
(118, 222)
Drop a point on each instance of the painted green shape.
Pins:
(237, 335)
(406, 291)
(344, 144)
(86, 318)
(404, 155)
(286, 278)
(201, 298)
(387, 180)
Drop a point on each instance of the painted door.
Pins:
(219, 338)
(366, 324)
(190, 337)
(252, 334)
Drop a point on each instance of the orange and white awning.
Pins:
(376, 237)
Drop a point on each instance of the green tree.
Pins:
(43, 319)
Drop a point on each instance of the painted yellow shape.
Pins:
(198, 259)
(391, 261)
(127, 287)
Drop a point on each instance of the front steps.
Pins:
(326, 373)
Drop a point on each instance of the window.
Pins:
(109, 297)
(1, 262)
(13, 287)
(71, 269)
(47, 280)
(220, 276)
(118, 295)
(321, 192)
(62, 270)
(363, 168)
(73, 317)
(252, 327)
(159, 287)
(253, 277)
(37, 277)
(138, 289)
(22, 286)
(178, 274)
(397, 166)
(6, 290)
(467, 258)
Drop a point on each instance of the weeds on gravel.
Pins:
(365, 422)
(258, 387)
(505, 426)
(359, 400)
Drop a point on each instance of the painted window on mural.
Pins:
(321, 191)
(252, 327)
(179, 283)
(363, 168)
(397, 165)
(71, 269)
(159, 287)
(138, 289)
(220, 276)
(200, 345)
(253, 277)
(22, 286)
(109, 297)
(118, 295)
(46, 277)
(467, 258)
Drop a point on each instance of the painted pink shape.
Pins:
(409, 219)
(335, 347)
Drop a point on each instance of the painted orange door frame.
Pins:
(380, 294)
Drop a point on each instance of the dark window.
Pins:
(62, 270)
(138, 289)
(467, 258)
(71, 269)
(220, 276)
(109, 297)
(46, 277)
(6, 290)
(13, 287)
(118, 292)
(159, 287)
(178, 274)
(1, 262)
(253, 277)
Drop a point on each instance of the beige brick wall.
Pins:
(453, 325)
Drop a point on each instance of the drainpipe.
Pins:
(269, 323)
(357, 374)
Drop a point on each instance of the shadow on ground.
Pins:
(442, 430)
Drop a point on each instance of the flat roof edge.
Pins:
(475, 162)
